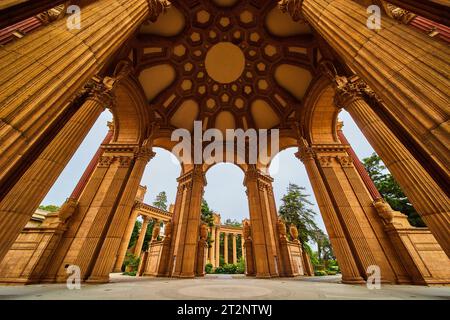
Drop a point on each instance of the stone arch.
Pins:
(318, 117)
(131, 112)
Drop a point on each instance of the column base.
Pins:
(188, 275)
(97, 280)
(357, 280)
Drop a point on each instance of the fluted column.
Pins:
(19, 204)
(43, 71)
(187, 223)
(212, 250)
(110, 247)
(263, 215)
(233, 237)
(140, 240)
(341, 247)
(429, 200)
(407, 69)
(225, 247)
(217, 243)
(125, 241)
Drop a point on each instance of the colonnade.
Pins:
(214, 250)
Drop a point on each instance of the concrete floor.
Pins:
(222, 287)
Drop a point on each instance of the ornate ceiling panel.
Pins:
(232, 64)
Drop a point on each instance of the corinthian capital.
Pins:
(100, 91)
(157, 7)
(399, 14)
(293, 7)
(53, 14)
(305, 152)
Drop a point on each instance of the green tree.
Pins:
(135, 234)
(161, 201)
(50, 208)
(390, 189)
(207, 215)
(324, 249)
(296, 209)
(233, 223)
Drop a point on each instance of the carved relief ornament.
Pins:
(294, 8)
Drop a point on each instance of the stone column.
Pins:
(20, 203)
(406, 68)
(37, 81)
(225, 247)
(262, 214)
(430, 201)
(88, 227)
(242, 247)
(212, 250)
(117, 227)
(233, 237)
(187, 223)
(140, 240)
(341, 247)
(217, 244)
(125, 241)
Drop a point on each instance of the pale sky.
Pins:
(225, 192)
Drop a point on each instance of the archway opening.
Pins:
(76, 167)
(225, 197)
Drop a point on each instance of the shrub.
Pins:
(241, 266)
(320, 273)
(132, 273)
(331, 273)
(131, 261)
(230, 268)
(219, 270)
(208, 268)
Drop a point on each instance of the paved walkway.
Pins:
(222, 287)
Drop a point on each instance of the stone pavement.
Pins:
(223, 287)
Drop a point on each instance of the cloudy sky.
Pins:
(225, 192)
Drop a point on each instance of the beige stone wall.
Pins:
(29, 255)
(421, 254)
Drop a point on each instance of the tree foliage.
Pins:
(161, 201)
(296, 209)
(232, 223)
(390, 189)
(50, 208)
(207, 215)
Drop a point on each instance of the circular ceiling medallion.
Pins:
(225, 62)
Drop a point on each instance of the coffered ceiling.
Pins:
(232, 64)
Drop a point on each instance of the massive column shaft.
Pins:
(140, 240)
(341, 248)
(88, 227)
(407, 69)
(19, 204)
(110, 248)
(233, 237)
(212, 250)
(45, 69)
(125, 241)
(263, 217)
(187, 223)
(426, 196)
(217, 244)
(225, 247)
